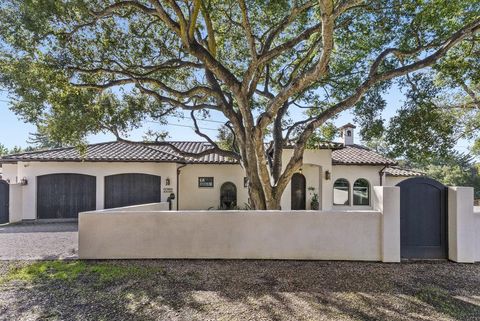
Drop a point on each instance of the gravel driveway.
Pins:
(38, 241)
(201, 290)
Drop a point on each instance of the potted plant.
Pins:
(314, 203)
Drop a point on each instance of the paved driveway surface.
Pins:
(38, 241)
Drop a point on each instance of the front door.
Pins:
(423, 219)
(298, 197)
(4, 197)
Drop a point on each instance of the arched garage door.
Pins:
(131, 189)
(423, 219)
(65, 195)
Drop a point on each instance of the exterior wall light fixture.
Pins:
(167, 182)
(328, 175)
(24, 181)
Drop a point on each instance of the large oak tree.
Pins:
(77, 66)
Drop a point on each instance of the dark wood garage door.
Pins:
(65, 195)
(131, 189)
(423, 219)
(4, 201)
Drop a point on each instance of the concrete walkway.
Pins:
(38, 241)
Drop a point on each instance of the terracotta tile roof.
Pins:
(196, 147)
(348, 125)
(318, 145)
(398, 171)
(108, 152)
(123, 152)
(359, 155)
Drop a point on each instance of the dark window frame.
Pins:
(361, 187)
(200, 178)
(349, 199)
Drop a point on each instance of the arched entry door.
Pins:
(228, 195)
(298, 196)
(4, 201)
(423, 219)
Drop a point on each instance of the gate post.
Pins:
(461, 233)
(16, 203)
(387, 201)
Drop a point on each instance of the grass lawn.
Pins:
(238, 290)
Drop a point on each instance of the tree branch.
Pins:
(248, 30)
(295, 160)
(220, 151)
(174, 102)
(305, 79)
(122, 5)
(180, 152)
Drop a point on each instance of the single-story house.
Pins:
(59, 183)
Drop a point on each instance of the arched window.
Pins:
(228, 196)
(361, 192)
(341, 192)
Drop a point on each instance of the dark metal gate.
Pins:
(298, 196)
(423, 219)
(4, 202)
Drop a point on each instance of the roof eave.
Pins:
(362, 163)
(90, 161)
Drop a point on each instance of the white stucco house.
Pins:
(59, 183)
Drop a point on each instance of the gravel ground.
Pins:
(38, 241)
(250, 290)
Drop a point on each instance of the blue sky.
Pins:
(14, 132)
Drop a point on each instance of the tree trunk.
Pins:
(257, 198)
(263, 196)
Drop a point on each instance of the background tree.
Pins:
(3, 150)
(442, 107)
(41, 140)
(79, 67)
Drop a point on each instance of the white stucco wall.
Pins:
(315, 164)
(162, 206)
(393, 180)
(386, 199)
(15, 203)
(352, 173)
(462, 236)
(31, 170)
(231, 235)
(193, 197)
(476, 216)
(9, 173)
(370, 235)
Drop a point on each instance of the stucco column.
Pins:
(15, 203)
(100, 193)
(461, 233)
(386, 199)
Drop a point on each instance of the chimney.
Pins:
(346, 132)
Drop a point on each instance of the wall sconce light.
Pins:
(328, 175)
(167, 182)
(300, 170)
(24, 181)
